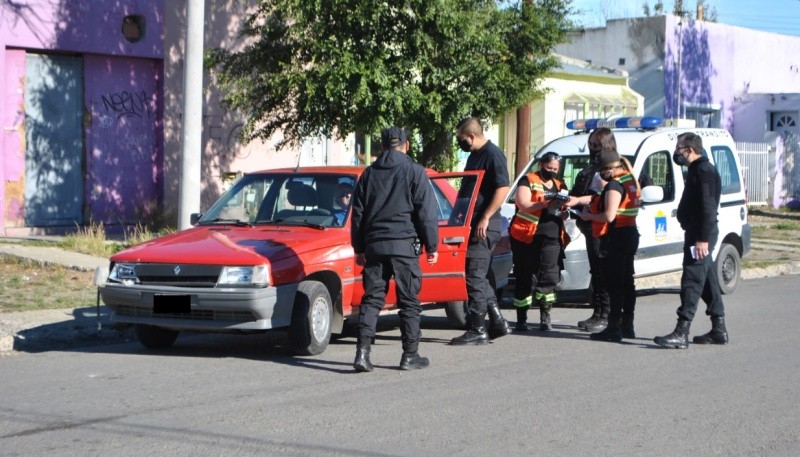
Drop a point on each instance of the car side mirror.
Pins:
(194, 217)
(652, 194)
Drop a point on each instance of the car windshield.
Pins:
(317, 200)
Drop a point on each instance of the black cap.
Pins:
(393, 136)
(607, 157)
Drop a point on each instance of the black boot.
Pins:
(717, 335)
(544, 316)
(475, 335)
(413, 361)
(678, 339)
(612, 332)
(362, 363)
(497, 324)
(590, 321)
(522, 319)
(596, 326)
(627, 327)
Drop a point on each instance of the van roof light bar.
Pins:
(644, 123)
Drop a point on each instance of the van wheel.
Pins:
(153, 337)
(456, 314)
(310, 330)
(729, 268)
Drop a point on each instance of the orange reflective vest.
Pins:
(626, 212)
(524, 224)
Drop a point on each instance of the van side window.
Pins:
(659, 168)
(726, 167)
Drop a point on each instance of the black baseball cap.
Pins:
(393, 136)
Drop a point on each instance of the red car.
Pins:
(271, 253)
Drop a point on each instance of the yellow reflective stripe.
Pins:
(551, 297)
(530, 217)
(537, 187)
(628, 211)
(625, 178)
(522, 303)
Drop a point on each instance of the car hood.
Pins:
(219, 245)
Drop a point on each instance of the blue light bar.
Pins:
(646, 123)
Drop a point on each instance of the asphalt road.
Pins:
(538, 394)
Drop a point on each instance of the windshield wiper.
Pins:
(300, 223)
(236, 222)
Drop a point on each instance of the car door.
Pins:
(661, 236)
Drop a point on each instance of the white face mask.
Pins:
(597, 183)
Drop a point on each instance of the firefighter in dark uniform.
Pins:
(393, 206)
(599, 139)
(485, 229)
(697, 213)
(613, 217)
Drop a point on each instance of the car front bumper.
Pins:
(210, 309)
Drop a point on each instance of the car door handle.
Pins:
(453, 240)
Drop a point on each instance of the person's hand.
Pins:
(432, 258)
(480, 230)
(701, 249)
(571, 202)
(361, 260)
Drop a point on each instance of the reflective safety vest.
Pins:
(626, 212)
(524, 224)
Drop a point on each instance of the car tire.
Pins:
(310, 329)
(456, 314)
(153, 337)
(729, 268)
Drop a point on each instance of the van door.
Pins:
(661, 236)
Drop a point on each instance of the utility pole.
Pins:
(523, 129)
(192, 122)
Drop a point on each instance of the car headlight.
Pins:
(124, 273)
(244, 276)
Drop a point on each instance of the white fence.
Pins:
(755, 169)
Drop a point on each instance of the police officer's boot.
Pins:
(476, 334)
(678, 339)
(612, 332)
(627, 327)
(522, 319)
(544, 315)
(362, 363)
(717, 335)
(595, 317)
(413, 361)
(497, 324)
(601, 322)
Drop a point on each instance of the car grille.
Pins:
(200, 314)
(178, 275)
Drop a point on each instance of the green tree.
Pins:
(332, 67)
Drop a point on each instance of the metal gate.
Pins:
(755, 171)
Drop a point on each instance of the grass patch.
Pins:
(29, 286)
(746, 263)
(786, 226)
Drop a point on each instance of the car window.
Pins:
(726, 167)
(657, 171)
(453, 197)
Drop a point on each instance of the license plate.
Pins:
(172, 304)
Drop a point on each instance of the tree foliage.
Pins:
(332, 67)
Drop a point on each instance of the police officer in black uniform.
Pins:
(484, 234)
(393, 206)
(599, 139)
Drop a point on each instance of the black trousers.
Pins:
(699, 280)
(408, 280)
(600, 300)
(479, 275)
(617, 249)
(536, 269)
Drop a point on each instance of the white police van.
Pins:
(649, 147)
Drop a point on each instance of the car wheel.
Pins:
(729, 268)
(456, 313)
(310, 330)
(153, 337)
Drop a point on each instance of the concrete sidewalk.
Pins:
(36, 331)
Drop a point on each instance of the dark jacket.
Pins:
(581, 188)
(393, 204)
(697, 211)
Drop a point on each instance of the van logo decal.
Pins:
(177, 270)
(661, 226)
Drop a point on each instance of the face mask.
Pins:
(464, 145)
(679, 159)
(547, 175)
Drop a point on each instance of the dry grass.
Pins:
(28, 286)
